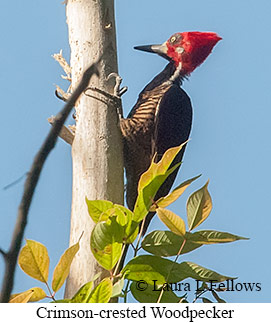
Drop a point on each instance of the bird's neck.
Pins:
(170, 73)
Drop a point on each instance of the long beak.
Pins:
(158, 49)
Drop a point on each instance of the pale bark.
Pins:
(97, 145)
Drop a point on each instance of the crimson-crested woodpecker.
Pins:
(162, 115)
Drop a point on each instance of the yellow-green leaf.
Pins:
(211, 237)
(63, 267)
(117, 287)
(152, 180)
(39, 294)
(199, 206)
(167, 244)
(159, 168)
(106, 243)
(34, 260)
(82, 296)
(190, 269)
(101, 293)
(149, 268)
(151, 296)
(174, 195)
(125, 219)
(23, 297)
(35, 293)
(96, 208)
(146, 196)
(131, 232)
(124, 215)
(172, 221)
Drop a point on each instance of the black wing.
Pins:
(172, 128)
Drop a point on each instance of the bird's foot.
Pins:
(118, 91)
(115, 98)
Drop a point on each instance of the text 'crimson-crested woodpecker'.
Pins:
(162, 115)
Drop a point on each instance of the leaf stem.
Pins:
(136, 249)
(126, 290)
(199, 295)
(118, 263)
(175, 260)
(139, 237)
(50, 292)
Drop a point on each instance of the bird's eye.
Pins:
(175, 39)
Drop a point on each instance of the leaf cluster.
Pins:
(116, 227)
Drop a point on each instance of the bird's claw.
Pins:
(118, 91)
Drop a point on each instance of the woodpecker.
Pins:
(162, 115)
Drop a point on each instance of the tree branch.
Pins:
(3, 253)
(32, 180)
(65, 133)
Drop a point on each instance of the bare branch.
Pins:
(65, 133)
(32, 180)
(62, 95)
(3, 253)
(64, 64)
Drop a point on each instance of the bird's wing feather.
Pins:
(173, 120)
(172, 128)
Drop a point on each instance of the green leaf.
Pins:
(199, 206)
(62, 269)
(166, 244)
(125, 218)
(149, 268)
(192, 270)
(96, 208)
(172, 221)
(131, 231)
(174, 195)
(121, 217)
(101, 293)
(151, 296)
(106, 243)
(151, 180)
(211, 237)
(83, 295)
(35, 293)
(117, 288)
(34, 260)
(124, 215)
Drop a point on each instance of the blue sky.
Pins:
(230, 140)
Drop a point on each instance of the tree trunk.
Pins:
(97, 146)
